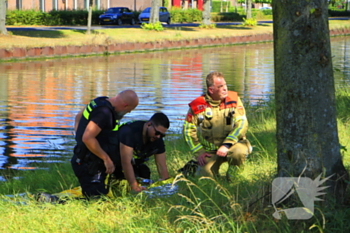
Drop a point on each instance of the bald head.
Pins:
(130, 98)
(124, 102)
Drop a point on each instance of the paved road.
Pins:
(45, 28)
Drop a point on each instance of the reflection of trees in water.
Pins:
(9, 145)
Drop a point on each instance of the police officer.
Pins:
(138, 140)
(215, 127)
(94, 125)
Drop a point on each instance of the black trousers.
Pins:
(140, 170)
(92, 182)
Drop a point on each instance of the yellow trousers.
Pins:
(236, 155)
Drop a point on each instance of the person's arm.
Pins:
(77, 119)
(190, 135)
(161, 166)
(89, 139)
(126, 155)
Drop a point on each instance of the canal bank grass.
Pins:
(42, 38)
(201, 205)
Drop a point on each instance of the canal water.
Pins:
(39, 99)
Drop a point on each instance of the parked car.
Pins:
(265, 8)
(164, 15)
(117, 15)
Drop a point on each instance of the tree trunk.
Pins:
(89, 17)
(206, 12)
(3, 29)
(249, 9)
(155, 11)
(307, 135)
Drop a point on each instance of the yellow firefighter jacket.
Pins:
(210, 124)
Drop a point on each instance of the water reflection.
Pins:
(39, 99)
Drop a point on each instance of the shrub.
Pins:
(190, 15)
(342, 13)
(27, 17)
(226, 16)
(249, 22)
(62, 17)
(216, 6)
(153, 26)
(206, 26)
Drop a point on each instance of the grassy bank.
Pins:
(40, 38)
(206, 205)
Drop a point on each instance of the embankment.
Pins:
(73, 50)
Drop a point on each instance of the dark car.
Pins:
(117, 15)
(164, 15)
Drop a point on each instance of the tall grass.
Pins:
(201, 204)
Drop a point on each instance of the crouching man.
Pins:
(139, 140)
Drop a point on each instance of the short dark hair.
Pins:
(161, 119)
(211, 76)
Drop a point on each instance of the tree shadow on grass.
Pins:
(235, 27)
(183, 28)
(47, 33)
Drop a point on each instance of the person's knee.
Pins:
(143, 171)
(238, 154)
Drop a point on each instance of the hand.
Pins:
(109, 166)
(137, 188)
(201, 158)
(222, 151)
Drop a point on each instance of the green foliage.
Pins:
(250, 22)
(166, 3)
(230, 16)
(338, 12)
(216, 6)
(205, 26)
(62, 17)
(256, 1)
(75, 17)
(153, 26)
(189, 15)
(27, 17)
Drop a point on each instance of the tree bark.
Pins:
(3, 29)
(307, 135)
(89, 17)
(249, 9)
(206, 12)
(154, 11)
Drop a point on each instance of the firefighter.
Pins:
(215, 127)
(95, 126)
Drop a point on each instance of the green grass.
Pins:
(201, 205)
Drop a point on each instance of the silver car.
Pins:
(164, 15)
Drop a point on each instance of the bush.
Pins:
(28, 17)
(342, 13)
(75, 17)
(216, 6)
(226, 16)
(205, 26)
(249, 22)
(153, 26)
(64, 17)
(190, 15)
